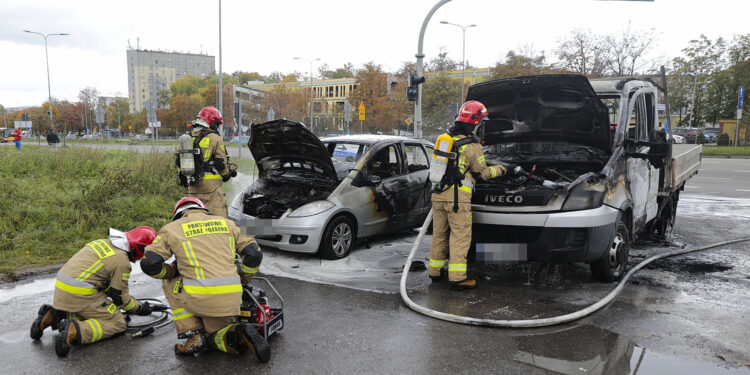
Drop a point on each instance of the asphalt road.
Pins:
(685, 315)
(721, 177)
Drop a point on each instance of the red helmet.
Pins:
(138, 239)
(472, 112)
(209, 117)
(185, 204)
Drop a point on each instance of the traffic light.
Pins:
(412, 91)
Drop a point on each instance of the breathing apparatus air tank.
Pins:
(187, 155)
(440, 157)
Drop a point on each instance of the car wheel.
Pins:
(611, 266)
(338, 238)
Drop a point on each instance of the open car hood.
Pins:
(286, 144)
(556, 107)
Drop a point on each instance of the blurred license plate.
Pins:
(494, 253)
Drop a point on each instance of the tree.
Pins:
(387, 107)
(522, 64)
(244, 77)
(438, 94)
(88, 97)
(583, 52)
(441, 63)
(163, 98)
(274, 77)
(626, 53)
(347, 71)
(289, 103)
(188, 85)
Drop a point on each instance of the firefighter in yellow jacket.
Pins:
(214, 162)
(91, 288)
(451, 202)
(202, 285)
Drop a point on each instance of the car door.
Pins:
(643, 177)
(392, 188)
(418, 168)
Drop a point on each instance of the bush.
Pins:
(700, 138)
(55, 201)
(723, 140)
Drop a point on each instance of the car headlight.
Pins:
(237, 202)
(312, 208)
(582, 199)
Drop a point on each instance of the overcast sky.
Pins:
(264, 36)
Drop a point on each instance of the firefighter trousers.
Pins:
(99, 320)
(215, 201)
(451, 233)
(185, 320)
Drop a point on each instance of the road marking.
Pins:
(742, 190)
(709, 162)
(691, 187)
(712, 178)
(739, 170)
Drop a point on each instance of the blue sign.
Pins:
(742, 94)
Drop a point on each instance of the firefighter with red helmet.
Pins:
(204, 284)
(451, 198)
(213, 160)
(91, 288)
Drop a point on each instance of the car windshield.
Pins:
(345, 155)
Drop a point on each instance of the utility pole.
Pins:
(692, 103)
(221, 85)
(311, 89)
(420, 57)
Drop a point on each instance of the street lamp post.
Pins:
(46, 56)
(463, 58)
(311, 88)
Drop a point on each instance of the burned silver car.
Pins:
(316, 195)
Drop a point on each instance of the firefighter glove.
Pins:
(145, 309)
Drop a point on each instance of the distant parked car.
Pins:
(678, 138)
(141, 137)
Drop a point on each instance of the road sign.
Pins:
(362, 110)
(22, 124)
(99, 113)
(408, 121)
(741, 96)
(154, 124)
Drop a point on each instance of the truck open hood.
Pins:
(286, 144)
(557, 107)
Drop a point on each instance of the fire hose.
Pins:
(541, 322)
(145, 329)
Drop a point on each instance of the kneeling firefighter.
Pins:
(91, 288)
(202, 285)
(451, 198)
(204, 162)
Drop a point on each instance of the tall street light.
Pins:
(46, 56)
(311, 88)
(463, 59)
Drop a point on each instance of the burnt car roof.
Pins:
(554, 107)
(288, 141)
(372, 139)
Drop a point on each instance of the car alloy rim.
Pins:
(614, 251)
(341, 238)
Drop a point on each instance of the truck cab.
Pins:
(610, 171)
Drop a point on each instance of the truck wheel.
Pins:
(611, 266)
(338, 238)
(663, 223)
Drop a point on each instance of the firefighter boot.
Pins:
(247, 337)
(464, 285)
(69, 335)
(437, 279)
(46, 317)
(196, 342)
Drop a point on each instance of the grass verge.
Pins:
(55, 201)
(726, 150)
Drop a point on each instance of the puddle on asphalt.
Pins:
(591, 350)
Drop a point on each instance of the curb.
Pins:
(26, 273)
(725, 156)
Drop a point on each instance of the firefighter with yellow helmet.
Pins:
(451, 198)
